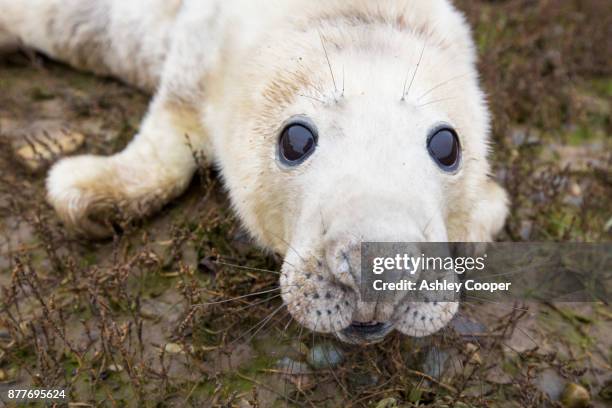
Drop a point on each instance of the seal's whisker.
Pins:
(333, 369)
(312, 97)
(331, 71)
(278, 339)
(436, 101)
(250, 268)
(250, 305)
(528, 336)
(293, 363)
(455, 361)
(405, 91)
(441, 84)
(257, 326)
(237, 297)
(284, 241)
(480, 367)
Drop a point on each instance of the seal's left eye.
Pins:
(443, 146)
(297, 142)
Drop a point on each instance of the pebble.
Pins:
(115, 368)
(575, 189)
(292, 367)
(575, 396)
(4, 334)
(297, 373)
(387, 403)
(467, 327)
(173, 348)
(3, 376)
(325, 355)
(551, 383)
(526, 227)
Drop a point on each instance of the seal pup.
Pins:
(332, 122)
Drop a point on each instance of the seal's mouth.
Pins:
(365, 332)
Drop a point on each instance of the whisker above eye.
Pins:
(331, 71)
(405, 91)
(441, 84)
(436, 101)
(312, 97)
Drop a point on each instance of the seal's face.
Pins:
(354, 144)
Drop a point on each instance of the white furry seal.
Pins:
(332, 121)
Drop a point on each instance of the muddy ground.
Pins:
(158, 316)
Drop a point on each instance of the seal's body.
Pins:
(332, 121)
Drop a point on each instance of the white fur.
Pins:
(229, 73)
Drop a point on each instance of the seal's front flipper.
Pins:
(87, 191)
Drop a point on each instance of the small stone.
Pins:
(575, 190)
(467, 328)
(525, 229)
(115, 368)
(387, 403)
(573, 200)
(297, 373)
(4, 334)
(43, 143)
(551, 383)
(292, 367)
(325, 355)
(3, 376)
(575, 396)
(173, 348)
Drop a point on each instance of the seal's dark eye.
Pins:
(444, 148)
(297, 142)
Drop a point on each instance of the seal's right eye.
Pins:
(297, 142)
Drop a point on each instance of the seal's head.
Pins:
(360, 127)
